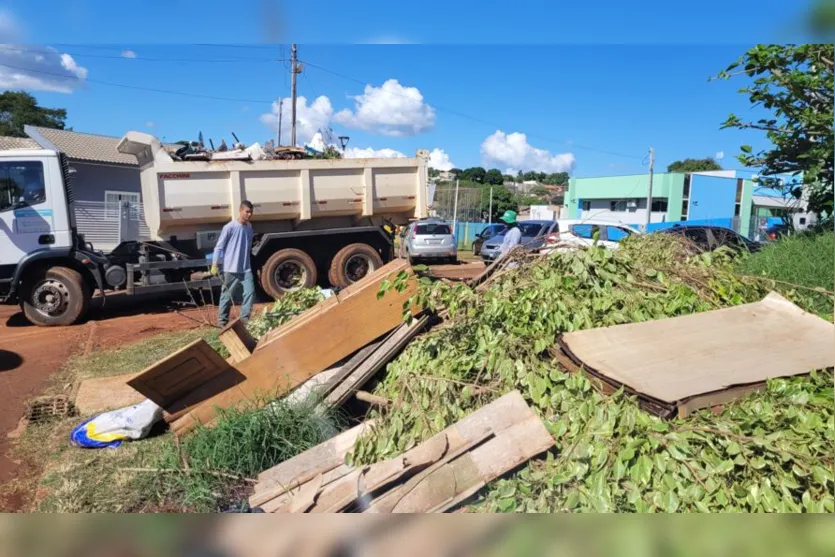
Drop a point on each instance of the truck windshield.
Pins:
(21, 184)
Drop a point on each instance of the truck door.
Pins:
(26, 219)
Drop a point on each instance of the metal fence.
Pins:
(469, 209)
(107, 224)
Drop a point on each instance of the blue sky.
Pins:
(590, 98)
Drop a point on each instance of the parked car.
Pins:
(576, 233)
(709, 238)
(428, 239)
(534, 233)
(485, 235)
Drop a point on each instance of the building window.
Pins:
(802, 221)
(586, 205)
(738, 205)
(685, 201)
(686, 194)
(112, 201)
(617, 206)
(659, 205)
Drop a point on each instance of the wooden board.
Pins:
(693, 360)
(388, 350)
(290, 359)
(106, 393)
(477, 449)
(169, 379)
(460, 272)
(303, 467)
(237, 340)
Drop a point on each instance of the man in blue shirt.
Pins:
(235, 246)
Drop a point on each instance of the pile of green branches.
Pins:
(284, 309)
(771, 451)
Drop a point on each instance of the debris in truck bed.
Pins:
(431, 477)
(678, 365)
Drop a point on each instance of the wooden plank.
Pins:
(237, 340)
(294, 357)
(306, 466)
(442, 488)
(511, 430)
(175, 376)
(349, 367)
(346, 490)
(392, 346)
(297, 321)
(106, 393)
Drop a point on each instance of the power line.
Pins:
(230, 60)
(476, 118)
(137, 87)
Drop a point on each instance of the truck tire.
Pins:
(288, 270)
(352, 263)
(57, 296)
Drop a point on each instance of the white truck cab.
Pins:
(43, 265)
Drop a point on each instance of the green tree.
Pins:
(330, 152)
(509, 178)
(795, 83)
(494, 176)
(18, 109)
(694, 165)
(503, 200)
(474, 174)
(540, 191)
(557, 179)
(434, 172)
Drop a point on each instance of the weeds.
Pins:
(804, 259)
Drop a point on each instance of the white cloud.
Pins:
(513, 150)
(391, 109)
(34, 67)
(127, 53)
(439, 160)
(369, 153)
(309, 118)
(719, 155)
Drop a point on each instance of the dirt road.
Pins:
(29, 355)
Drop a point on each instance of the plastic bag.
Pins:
(112, 428)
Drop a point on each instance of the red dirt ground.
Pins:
(29, 355)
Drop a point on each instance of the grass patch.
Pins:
(807, 260)
(207, 471)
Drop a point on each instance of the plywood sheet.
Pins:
(677, 359)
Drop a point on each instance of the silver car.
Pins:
(428, 239)
(534, 233)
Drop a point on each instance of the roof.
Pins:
(7, 142)
(82, 146)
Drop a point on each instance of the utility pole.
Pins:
(295, 69)
(455, 210)
(490, 211)
(649, 189)
(278, 132)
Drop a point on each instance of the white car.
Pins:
(575, 233)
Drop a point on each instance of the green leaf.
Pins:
(642, 470)
(745, 148)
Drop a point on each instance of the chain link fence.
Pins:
(470, 210)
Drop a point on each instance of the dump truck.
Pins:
(315, 222)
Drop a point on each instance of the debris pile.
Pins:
(641, 379)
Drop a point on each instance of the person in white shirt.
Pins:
(512, 236)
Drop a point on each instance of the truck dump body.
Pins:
(181, 198)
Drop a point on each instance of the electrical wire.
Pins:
(475, 118)
(136, 87)
(229, 60)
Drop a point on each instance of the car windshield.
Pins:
(432, 228)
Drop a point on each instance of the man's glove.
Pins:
(214, 271)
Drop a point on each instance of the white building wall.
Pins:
(600, 209)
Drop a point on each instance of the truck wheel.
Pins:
(352, 263)
(288, 270)
(57, 297)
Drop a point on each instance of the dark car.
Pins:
(709, 238)
(534, 233)
(486, 234)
